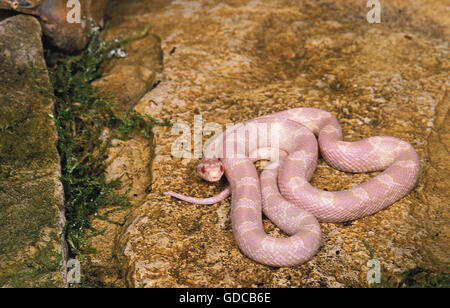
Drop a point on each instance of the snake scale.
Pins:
(283, 191)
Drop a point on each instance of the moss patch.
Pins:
(413, 278)
(38, 271)
(30, 257)
(27, 208)
(81, 117)
(27, 138)
(30, 213)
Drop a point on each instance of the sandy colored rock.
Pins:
(130, 161)
(230, 61)
(129, 78)
(32, 246)
(126, 80)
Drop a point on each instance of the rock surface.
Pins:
(229, 61)
(129, 78)
(32, 249)
(66, 24)
(126, 80)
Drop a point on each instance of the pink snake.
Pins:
(300, 206)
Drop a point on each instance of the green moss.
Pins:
(422, 278)
(26, 141)
(81, 116)
(26, 210)
(28, 196)
(33, 151)
(28, 202)
(42, 270)
(413, 278)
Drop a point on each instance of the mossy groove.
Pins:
(81, 117)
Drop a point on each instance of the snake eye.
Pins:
(203, 170)
(221, 168)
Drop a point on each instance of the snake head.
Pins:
(210, 170)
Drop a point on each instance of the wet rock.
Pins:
(65, 24)
(229, 61)
(32, 249)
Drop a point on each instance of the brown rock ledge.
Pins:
(32, 246)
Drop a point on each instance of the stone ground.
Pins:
(231, 60)
(32, 249)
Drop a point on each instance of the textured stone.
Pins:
(128, 79)
(234, 60)
(130, 161)
(32, 248)
(60, 30)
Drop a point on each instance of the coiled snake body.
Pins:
(283, 191)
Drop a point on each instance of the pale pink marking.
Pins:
(299, 206)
